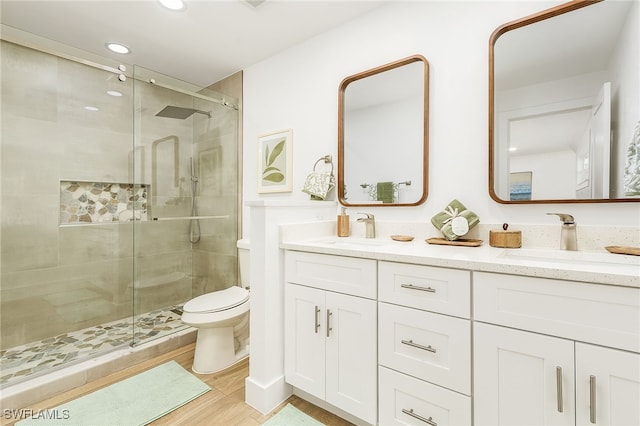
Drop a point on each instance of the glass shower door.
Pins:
(186, 147)
(66, 248)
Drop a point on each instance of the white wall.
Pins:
(561, 184)
(298, 89)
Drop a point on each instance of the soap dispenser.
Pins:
(343, 223)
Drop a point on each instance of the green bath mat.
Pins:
(291, 416)
(137, 400)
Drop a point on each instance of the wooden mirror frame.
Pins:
(531, 19)
(425, 129)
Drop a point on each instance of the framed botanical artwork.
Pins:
(275, 162)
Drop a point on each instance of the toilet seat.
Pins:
(217, 301)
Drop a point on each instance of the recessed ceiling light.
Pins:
(118, 48)
(91, 108)
(113, 93)
(173, 4)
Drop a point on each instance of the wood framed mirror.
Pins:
(563, 104)
(383, 134)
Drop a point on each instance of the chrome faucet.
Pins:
(370, 224)
(568, 236)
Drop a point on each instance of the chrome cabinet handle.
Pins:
(559, 388)
(592, 399)
(417, 287)
(419, 417)
(317, 318)
(419, 346)
(329, 322)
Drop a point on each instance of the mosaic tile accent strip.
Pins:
(96, 202)
(23, 362)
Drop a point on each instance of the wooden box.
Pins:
(505, 239)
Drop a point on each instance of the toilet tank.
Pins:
(243, 262)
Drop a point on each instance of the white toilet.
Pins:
(215, 315)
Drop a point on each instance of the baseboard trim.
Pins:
(265, 398)
(330, 408)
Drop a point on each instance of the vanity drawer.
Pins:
(405, 400)
(431, 347)
(442, 290)
(602, 314)
(348, 275)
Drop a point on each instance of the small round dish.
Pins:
(404, 238)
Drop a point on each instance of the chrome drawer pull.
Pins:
(317, 324)
(419, 346)
(559, 388)
(329, 322)
(419, 417)
(592, 399)
(417, 287)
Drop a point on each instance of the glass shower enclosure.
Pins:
(119, 194)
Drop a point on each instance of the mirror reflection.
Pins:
(382, 135)
(564, 91)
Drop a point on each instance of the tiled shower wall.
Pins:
(56, 279)
(100, 202)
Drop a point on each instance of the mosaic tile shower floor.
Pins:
(21, 362)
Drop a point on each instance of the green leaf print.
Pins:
(274, 177)
(270, 172)
(277, 150)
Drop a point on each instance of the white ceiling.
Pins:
(208, 41)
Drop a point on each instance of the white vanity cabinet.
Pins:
(552, 352)
(399, 343)
(607, 386)
(424, 345)
(330, 336)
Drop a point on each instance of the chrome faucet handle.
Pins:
(568, 237)
(370, 224)
(369, 216)
(567, 219)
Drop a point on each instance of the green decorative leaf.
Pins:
(277, 150)
(274, 177)
(266, 155)
(269, 169)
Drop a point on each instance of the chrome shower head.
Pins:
(180, 112)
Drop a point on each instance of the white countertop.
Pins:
(588, 266)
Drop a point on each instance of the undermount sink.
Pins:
(349, 242)
(571, 257)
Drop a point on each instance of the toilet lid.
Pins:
(217, 300)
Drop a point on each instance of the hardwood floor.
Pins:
(224, 405)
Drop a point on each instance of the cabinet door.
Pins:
(304, 339)
(351, 344)
(607, 386)
(522, 378)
